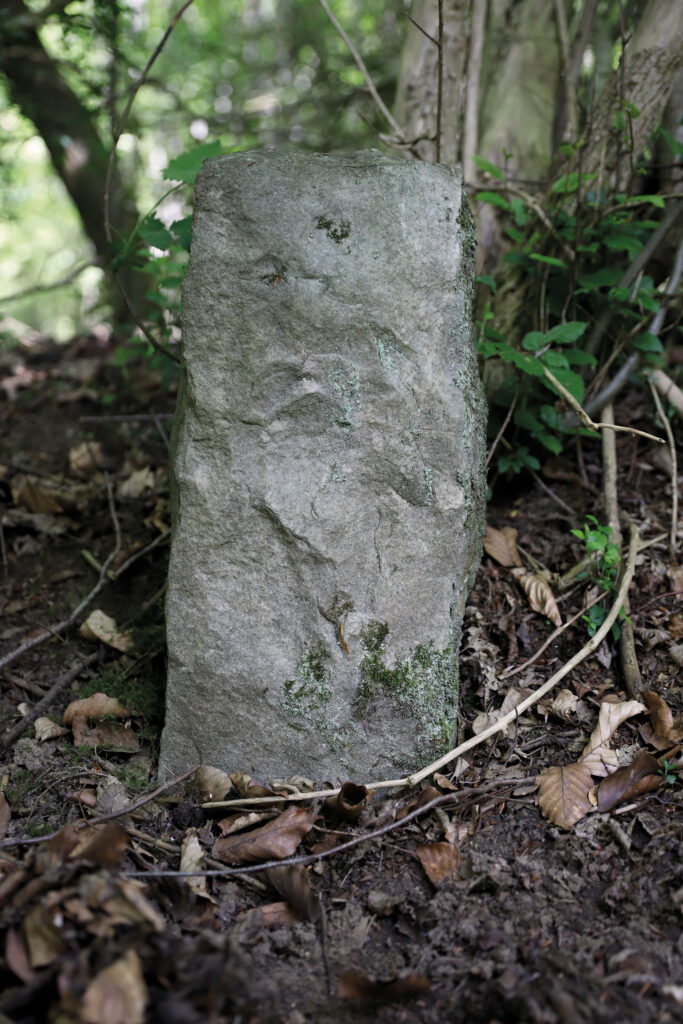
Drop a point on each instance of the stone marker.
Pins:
(327, 468)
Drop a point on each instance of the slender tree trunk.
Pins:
(67, 127)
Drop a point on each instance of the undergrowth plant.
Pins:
(572, 269)
(603, 570)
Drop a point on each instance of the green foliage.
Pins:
(668, 772)
(567, 262)
(603, 569)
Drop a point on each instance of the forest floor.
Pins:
(477, 909)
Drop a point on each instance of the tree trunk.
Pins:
(67, 127)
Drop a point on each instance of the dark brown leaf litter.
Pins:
(479, 911)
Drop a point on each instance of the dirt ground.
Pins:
(478, 909)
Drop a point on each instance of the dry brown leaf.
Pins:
(192, 859)
(17, 957)
(564, 704)
(5, 815)
(98, 705)
(128, 904)
(563, 794)
(118, 994)
(539, 594)
(86, 457)
(501, 545)
(47, 496)
(641, 776)
(210, 783)
(662, 731)
(293, 882)
(512, 698)
(425, 796)
(43, 939)
(439, 860)
(278, 838)
(46, 729)
(112, 735)
(102, 845)
(100, 626)
(272, 915)
(242, 820)
(134, 486)
(597, 755)
(353, 985)
(247, 787)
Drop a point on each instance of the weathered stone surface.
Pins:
(328, 485)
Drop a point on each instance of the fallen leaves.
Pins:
(118, 994)
(274, 840)
(563, 794)
(100, 721)
(439, 860)
(501, 545)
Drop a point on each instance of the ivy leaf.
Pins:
(187, 166)
(565, 334)
(486, 165)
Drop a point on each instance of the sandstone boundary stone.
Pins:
(327, 468)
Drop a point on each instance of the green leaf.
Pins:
(526, 419)
(533, 341)
(187, 166)
(648, 343)
(606, 277)
(570, 380)
(550, 415)
(565, 334)
(577, 357)
(569, 183)
(494, 199)
(554, 359)
(551, 260)
(486, 165)
(153, 232)
(182, 229)
(550, 442)
(487, 280)
(622, 242)
(653, 200)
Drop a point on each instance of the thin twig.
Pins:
(674, 468)
(35, 840)
(364, 71)
(62, 283)
(474, 60)
(312, 858)
(439, 84)
(28, 645)
(64, 680)
(627, 646)
(508, 417)
(422, 30)
(553, 636)
(569, 88)
(585, 418)
(324, 944)
(138, 803)
(508, 186)
(129, 418)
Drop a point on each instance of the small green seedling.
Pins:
(668, 772)
(596, 539)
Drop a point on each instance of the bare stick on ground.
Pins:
(627, 646)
